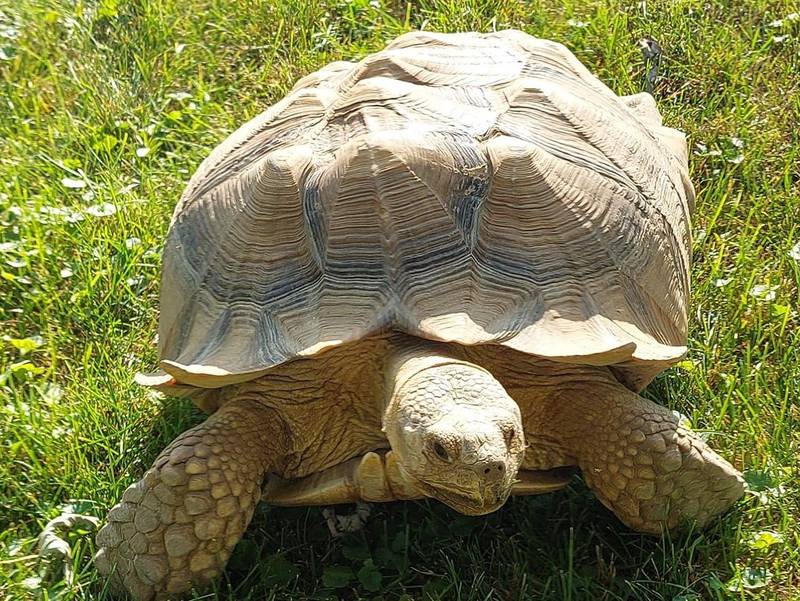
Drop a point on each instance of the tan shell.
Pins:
(473, 188)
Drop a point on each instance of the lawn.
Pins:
(107, 107)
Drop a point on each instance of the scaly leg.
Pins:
(645, 467)
(177, 526)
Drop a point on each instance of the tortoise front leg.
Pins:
(177, 526)
(645, 467)
(372, 478)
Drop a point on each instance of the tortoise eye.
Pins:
(440, 451)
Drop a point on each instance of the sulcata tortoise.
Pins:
(443, 271)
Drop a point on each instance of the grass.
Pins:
(107, 107)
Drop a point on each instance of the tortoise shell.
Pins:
(470, 188)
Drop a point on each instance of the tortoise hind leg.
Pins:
(177, 526)
(645, 467)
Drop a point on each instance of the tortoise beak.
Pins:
(486, 500)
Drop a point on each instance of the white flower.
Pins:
(52, 394)
(60, 211)
(142, 151)
(700, 236)
(33, 583)
(794, 253)
(132, 243)
(105, 209)
(69, 182)
(722, 282)
(780, 22)
(738, 142)
(66, 272)
(683, 420)
(9, 26)
(737, 159)
(778, 39)
(764, 291)
(577, 23)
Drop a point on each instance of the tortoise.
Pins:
(444, 271)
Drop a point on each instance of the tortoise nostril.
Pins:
(491, 470)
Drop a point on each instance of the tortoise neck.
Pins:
(428, 381)
(409, 356)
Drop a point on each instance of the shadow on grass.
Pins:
(562, 545)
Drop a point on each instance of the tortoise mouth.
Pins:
(464, 503)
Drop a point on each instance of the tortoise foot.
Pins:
(175, 528)
(655, 474)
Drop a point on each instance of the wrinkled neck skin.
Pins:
(454, 430)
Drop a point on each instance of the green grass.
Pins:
(83, 85)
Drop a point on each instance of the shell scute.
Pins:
(472, 188)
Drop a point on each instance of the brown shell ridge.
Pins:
(667, 232)
(632, 270)
(637, 178)
(643, 107)
(276, 168)
(470, 291)
(522, 204)
(219, 166)
(526, 156)
(614, 168)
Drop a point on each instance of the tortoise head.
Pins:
(456, 434)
